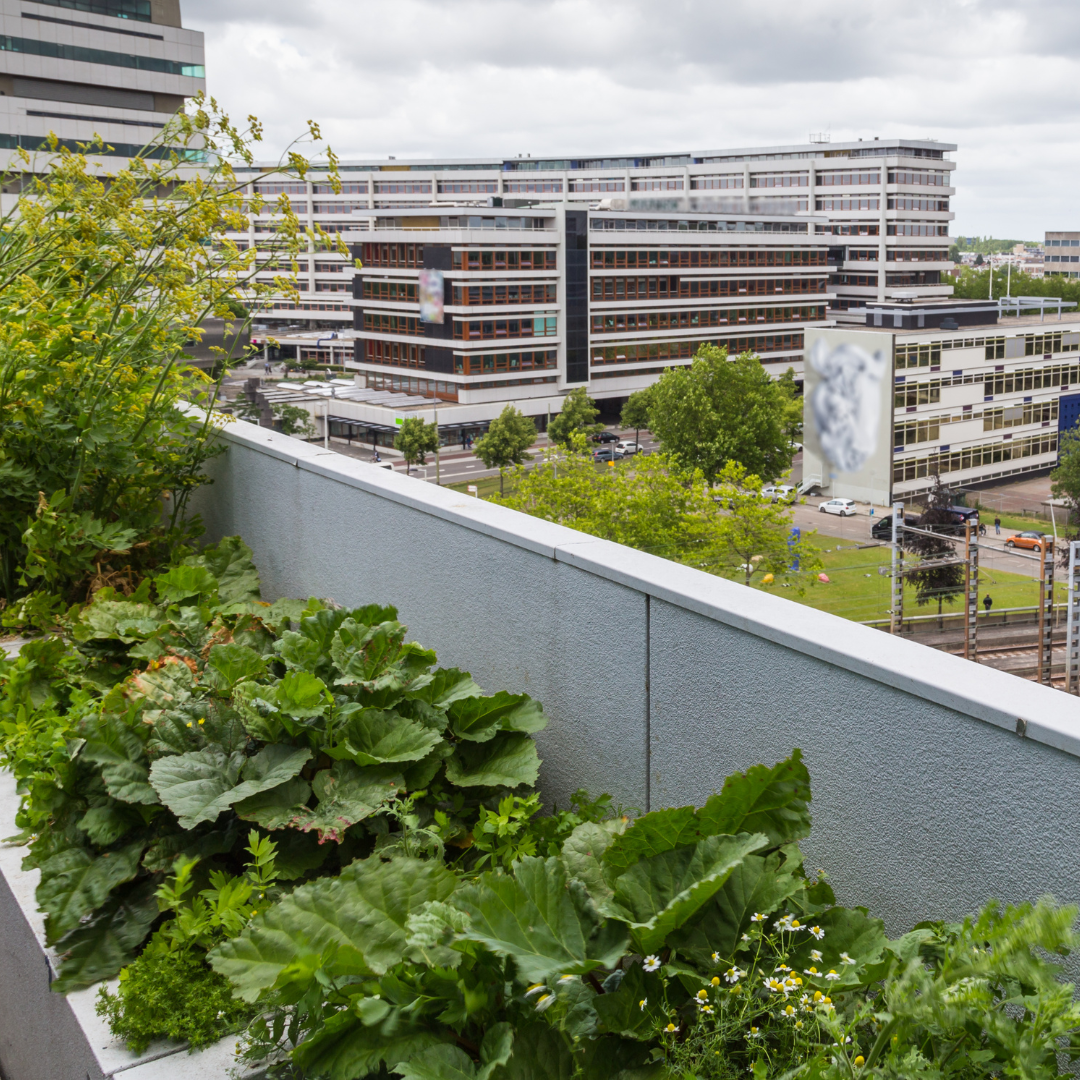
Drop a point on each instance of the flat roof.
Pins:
(1069, 321)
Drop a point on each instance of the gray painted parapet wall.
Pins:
(47, 1036)
(937, 783)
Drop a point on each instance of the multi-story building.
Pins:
(939, 389)
(1061, 256)
(80, 68)
(882, 207)
(541, 300)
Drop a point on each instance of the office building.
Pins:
(881, 206)
(1061, 254)
(972, 391)
(79, 68)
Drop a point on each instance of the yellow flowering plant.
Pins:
(104, 277)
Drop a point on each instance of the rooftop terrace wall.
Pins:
(937, 783)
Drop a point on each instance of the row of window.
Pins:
(1063, 258)
(402, 292)
(1052, 376)
(532, 187)
(628, 288)
(393, 353)
(471, 259)
(1063, 243)
(925, 429)
(78, 53)
(635, 322)
(779, 180)
(915, 228)
(848, 228)
(468, 187)
(536, 360)
(379, 322)
(857, 203)
(689, 225)
(923, 177)
(911, 202)
(895, 255)
(284, 306)
(402, 256)
(1019, 415)
(408, 384)
(539, 292)
(617, 260)
(715, 183)
(928, 353)
(597, 185)
(973, 457)
(846, 177)
(498, 384)
(486, 329)
(402, 187)
(674, 350)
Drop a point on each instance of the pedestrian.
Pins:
(463, 440)
(987, 603)
(982, 529)
(266, 365)
(997, 525)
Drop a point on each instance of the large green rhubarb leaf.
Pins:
(344, 1047)
(77, 881)
(123, 620)
(479, 719)
(357, 920)
(231, 564)
(99, 948)
(377, 736)
(446, 1062)
(277, 808)
(508, 760)
(447, 686)
(545, 923)
(772, 801)
(124, 768)
(756, 885)
(768, 800)
(347, 793)
(201, 784)
(660, 893)
(583, 851)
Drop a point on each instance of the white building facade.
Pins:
(82, 68)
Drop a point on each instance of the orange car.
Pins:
(1031, 540)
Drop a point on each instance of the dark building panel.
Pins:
(576, 316)
(439, 257)
(438, 359)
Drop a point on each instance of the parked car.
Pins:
(1033, 541)
(786, 493)
(628, 448)
(606, 453)
(769, 493)
(882, 527)
(604, 437)
(843, 507)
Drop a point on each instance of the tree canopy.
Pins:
(416, 439)
(508, 437)
(719, 410)
(576, 420)
(635, 413)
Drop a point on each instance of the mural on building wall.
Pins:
(431, 296)
(846, 402)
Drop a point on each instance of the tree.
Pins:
(719, 410)
(508, 437)
(793, 407)
(752, 535)
(102, 282)
(416, 440)
(635, 413)
(1065, 484)
(935, 582)
(294, 420)
(577, 418)
(642, 502)
(979, 259)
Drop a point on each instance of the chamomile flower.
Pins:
(818, 995)
(798, 1023)
(754, 1033)
(826, 1000)
(817, 932)
(715, 980)
(783, 923)
(564, 979)
(812, 970)
(757, 917)
(706, 1010)
(642, 1003)
(672, 1028)
(831, 976)
(702, 995)
(746, 937)
(734, 974)
(716, 958)
(846, 959)
(789, 1010)
(815, 954)
(781, 967)
(652, 962)
(536, 988)
(545, 1001)
(859, 1061)
(847, 1039)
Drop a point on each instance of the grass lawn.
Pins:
(488, 485)
(857, 590)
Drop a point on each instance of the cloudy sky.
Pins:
(468, 78)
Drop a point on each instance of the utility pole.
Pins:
(1072, 622)
(435, 407)
(1046, 614)
(971, 593)
(896, 622)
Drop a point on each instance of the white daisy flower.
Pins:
(832, 974)
(536, 988)
(817, 932)
(652, 962)
(815, 954)
(846, 959)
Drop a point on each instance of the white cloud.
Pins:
(475, 78)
